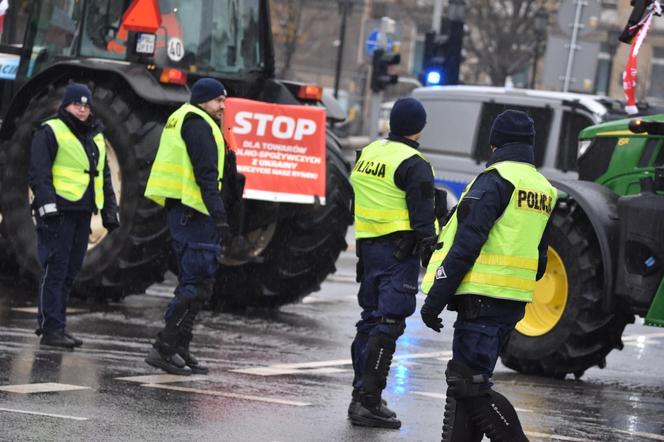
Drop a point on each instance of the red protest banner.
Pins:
(280, 148)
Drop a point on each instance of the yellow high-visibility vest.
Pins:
(71, 167)
(172, 175)
(507, 264)
(380, 206)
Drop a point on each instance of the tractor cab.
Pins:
(172, 38)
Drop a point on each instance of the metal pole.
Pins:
(386, 27)
(437, 15)
(572, 48)
(536, 56)
(340, 51)
(374, 112)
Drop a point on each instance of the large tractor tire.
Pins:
(565, 329)
(305, 243)
(132, 257)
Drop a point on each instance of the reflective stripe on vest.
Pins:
(507, 264)
(71, 167)
(172, 175)
(380, 206)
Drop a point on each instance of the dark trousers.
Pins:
(62, 242)
(387, 297)
(197, 250)
(482, 329)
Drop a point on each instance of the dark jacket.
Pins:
(202, 150)
(42, 154)
(415, 177)
(484, 203)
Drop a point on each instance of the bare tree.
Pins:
(292, 24)
(502, 35)
(286, 22)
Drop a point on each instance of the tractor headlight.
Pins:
(583, 147)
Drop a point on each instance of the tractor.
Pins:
(606, 253)
(139, 58)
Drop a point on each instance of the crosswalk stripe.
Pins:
(443, 396)
(302, 367)
(35, 413)
(229, 395)
(41, 387)
(556, 437)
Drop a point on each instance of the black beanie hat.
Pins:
(407, 117)
(76, 93)
(512, 126)
(205, 90)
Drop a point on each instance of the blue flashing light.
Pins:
(433, 78)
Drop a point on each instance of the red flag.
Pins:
(629, 76)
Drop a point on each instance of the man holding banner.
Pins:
(394, 220)
(186, 178)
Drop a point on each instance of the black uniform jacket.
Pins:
(476, 216)
(42, 154)
(202, 150)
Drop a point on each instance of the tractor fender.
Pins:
(599, 204)
(138, 78)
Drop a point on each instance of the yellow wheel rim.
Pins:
(549, 300)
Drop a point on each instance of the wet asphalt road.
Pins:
(285, 376)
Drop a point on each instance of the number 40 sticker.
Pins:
(175, 49)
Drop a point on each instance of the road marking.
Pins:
(161, 291)
(641, 336)
(556, 437)
(305, 367)
(640, 434)
(162, 378)
(33, 310)
(35, 413)
(230, 395)
(443, 397)
(46, 387)
(347, 278)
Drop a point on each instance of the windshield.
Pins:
(203, 36)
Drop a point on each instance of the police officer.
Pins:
(70, 180)
(394, 218)
(186, 177)
(488, 257)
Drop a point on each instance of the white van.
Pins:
(459, 119)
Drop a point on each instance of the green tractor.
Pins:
(138, 76)
(606, 254)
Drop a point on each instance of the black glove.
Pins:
(427, 246)
(111, 226)
(109, 219)
(430, 318)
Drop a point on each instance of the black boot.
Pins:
(474, 408)
(184, 336)
(57, 339)
(457, 425)
(369, 412)
(77, 342)
(173, 363)
(355, 402)
(197, 367)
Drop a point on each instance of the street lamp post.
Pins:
(541, 24)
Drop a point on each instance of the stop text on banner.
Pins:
(280, 148)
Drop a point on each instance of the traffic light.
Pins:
(442, 55)
(384, 69)
(433, 67)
